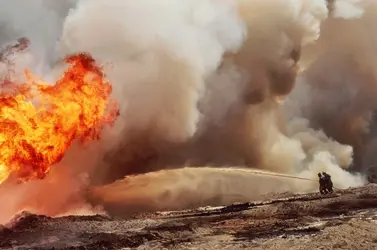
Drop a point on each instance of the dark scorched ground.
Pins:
(346, 219)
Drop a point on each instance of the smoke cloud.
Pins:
(263, 84)
(158, 68)
(340, 77)
(243, 120)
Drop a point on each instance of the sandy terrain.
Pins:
(346, 219)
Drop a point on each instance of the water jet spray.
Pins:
(258, 172)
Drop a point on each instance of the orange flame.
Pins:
(35, 136)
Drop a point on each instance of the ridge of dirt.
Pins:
(289, 222)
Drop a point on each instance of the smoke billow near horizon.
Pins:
(264, 84)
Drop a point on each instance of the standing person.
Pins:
(322, 184)
(328, 182)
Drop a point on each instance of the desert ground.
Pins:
(346, 219)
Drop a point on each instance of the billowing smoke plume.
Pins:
(243, 119)
(161, 54)
(268, 84)
(340, 75)
(267, 68)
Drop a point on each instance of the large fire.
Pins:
(40, 121)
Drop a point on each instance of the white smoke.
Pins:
(161, 53)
